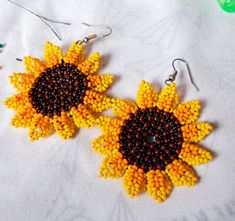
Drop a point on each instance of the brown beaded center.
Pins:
(151, 139)
(58, 89)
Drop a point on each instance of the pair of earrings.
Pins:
(153, 142)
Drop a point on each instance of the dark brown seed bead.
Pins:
(151, 139)
(58, 88)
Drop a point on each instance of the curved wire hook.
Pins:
(172, 77)
(93, 36)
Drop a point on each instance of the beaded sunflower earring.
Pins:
(62, 93)
(153, 142)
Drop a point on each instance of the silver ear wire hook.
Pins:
(172, 77)
(93, 36)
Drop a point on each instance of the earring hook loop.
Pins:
(172, 77)
(93, 36)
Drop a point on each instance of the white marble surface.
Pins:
(57, 180)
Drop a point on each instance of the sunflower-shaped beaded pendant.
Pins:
(153, 143)
(61, 94)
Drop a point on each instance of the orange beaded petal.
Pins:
(159, 185)
(113, 166)
(134, 181)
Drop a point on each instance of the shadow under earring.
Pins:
(61, 94)
(154, 141)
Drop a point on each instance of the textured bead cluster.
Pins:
(45, 128)
(193, 154)
(151, 139)
(181, 173)
(188, 112)
(97, 101)
(21, 81)
(195, 132)
(100, 82)
(168, 99)
(64, 125)
(58, 89)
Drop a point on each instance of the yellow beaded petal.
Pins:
(113, 166)
(168, 98)
(97, 101)
(123, 108)
(106, 144)
(23, 117)
(193, 154)
(134, 181)
(52, 55)
(64, 125)
(22, 82)
(188, 112)
(181, 174)
(159, 185)
(75, 54)
(40, 127)
(110, 125)
(146, 95)
(82, 116)
(196, 131)
(91, 65)
(100, 82)
(34, 66)
(17, 101)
